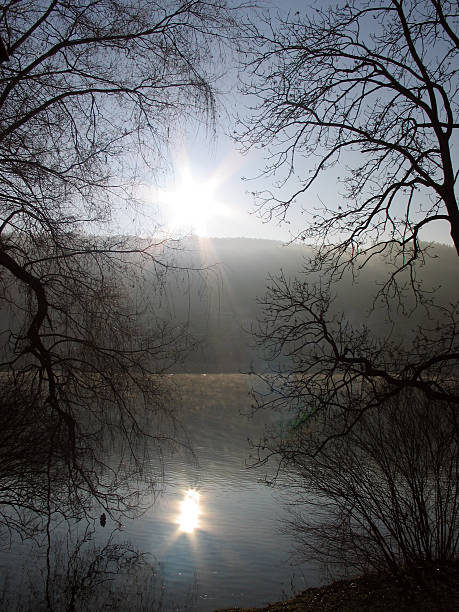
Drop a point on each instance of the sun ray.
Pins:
(192, 203)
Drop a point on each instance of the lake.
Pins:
(220, 545)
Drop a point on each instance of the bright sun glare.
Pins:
(189, 511)
(192, 203)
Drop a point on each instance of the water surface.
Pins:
(220, 546)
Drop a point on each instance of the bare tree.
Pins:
(385, 497)
(332, 370)
(370, 442)
(370, 88)
(88, 93)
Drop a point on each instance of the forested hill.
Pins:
(212, 289)
(221, 303)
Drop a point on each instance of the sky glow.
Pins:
(192, 203)
(209, 190)
(209, 193)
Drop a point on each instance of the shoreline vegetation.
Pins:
(377, 592)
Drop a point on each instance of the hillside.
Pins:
(221, 303)
(213, 286)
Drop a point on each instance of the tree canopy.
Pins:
(89, 91)
(369, 88)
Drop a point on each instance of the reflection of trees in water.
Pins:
(111, 472)
(39, 496)
(108, 469)
(84, 575)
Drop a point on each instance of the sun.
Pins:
(192, 203)
(189, 511)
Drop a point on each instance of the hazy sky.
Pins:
(205, 192)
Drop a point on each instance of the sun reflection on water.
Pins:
(189, 512)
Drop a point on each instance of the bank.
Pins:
(379, 593)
